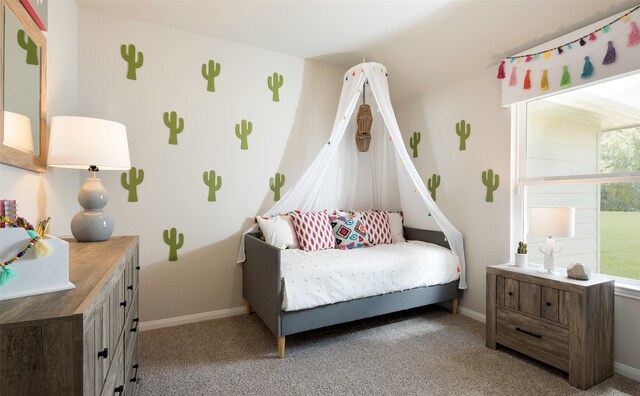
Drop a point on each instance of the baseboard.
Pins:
(627, 371)
(472, 314)
(199, 317)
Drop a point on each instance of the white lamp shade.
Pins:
(78, 142)
(17, 132)
(553, 222)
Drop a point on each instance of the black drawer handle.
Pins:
(119, 390)
(135, 328)
(511, 293)
(130, 287)
(104, 353)
(548, 304)
(135, 376)
(528, 333)
(138, 267)
(124, 303)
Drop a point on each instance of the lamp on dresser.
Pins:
(93, 144)
(551, 222)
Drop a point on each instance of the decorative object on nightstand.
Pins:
(551, 222)
(578, 271)
(80, 143)
(521, 254)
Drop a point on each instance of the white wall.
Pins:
(54, 192)
(286, 137)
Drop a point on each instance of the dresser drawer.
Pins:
(114, 384)
(131, 327)
(532, 333)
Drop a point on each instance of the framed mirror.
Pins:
(23, 136)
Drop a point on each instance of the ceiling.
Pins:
(424, 44)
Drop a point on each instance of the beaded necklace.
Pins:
(8, 273)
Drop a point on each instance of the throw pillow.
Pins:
(377, 225)
(349, 232)
(278, 231)
(313, 231)
(395, 224)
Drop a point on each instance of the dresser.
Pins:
(563, 322)
(82, 341)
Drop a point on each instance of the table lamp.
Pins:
(93, 144)
(552, 222)
(17, 132)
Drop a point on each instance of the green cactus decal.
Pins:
(275, 184)
(243, 130)
(129, 54)
(135, 178)
(175, 125)
(491, 183)
(213, 183)
(432, 185)
(210, 71)
(175, 241)
(25, 42)
(275, 83)
(464, 133)
(413, 143)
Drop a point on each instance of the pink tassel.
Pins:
(512, 80)
(634, 36)
(501, 74)
(528, 58)
(592, 37)
(527, 80)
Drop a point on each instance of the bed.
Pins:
(274, 299)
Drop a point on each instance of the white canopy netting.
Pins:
(383, 178)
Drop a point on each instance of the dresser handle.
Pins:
(119, 390)
(511, 293)
(528, 333)
(137, 267)
(548, 304)
(130, 287)
(104, 353)
(135, 328)
(124, 303)
(135, 376)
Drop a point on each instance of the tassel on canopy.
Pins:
(527, 80)
(587, 70)
(544, 84)
(501, 71)
(566, 79)
(512, 80)
(634, 36)
(610, 57)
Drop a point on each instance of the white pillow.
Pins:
(278, 231)
(395, 223)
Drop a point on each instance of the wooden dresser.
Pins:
(563, 322)
(82, 341)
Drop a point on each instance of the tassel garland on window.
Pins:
(512, 80)
(501, 71)
(582, 42)
(527, 80)
(544, 84)
(587, 70)
(566, 79)
(634, 36)
(610, 57)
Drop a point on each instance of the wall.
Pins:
(486, 226)
(54, 192)
(286, 136)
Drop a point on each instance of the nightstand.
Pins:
(566, 323)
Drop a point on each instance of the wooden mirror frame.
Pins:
(8, 155)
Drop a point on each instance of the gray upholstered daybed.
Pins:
(262, 290)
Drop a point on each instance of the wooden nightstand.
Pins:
(563, 322)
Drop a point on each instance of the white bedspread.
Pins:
(312, 279)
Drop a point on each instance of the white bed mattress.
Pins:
(312, 279)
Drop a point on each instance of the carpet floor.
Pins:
(426, 351)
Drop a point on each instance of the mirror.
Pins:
(23, 87)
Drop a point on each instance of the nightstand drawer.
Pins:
(533, 333)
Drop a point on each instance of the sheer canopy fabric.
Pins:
(383, 178)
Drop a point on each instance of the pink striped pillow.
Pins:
(313, 230)
(377, 225)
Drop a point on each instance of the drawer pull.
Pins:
(135, 376)
(548, 304)
(104, 353)
(130, 287)
(119, 390)
(135, 328)
(124, 303)
(138, 267)
(511, 293)
(528, 333)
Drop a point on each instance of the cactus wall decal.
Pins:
(432, 185)
(25, 42)
(275, 184)
(413, 143)
(275, 83)
(213, 183)
(464, 133)
(175, 125)
(175, 241)
(210, 71)
(135, 178)
(129, 54)
(243, 130)
(491, 183)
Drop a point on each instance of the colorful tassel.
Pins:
(512, 80)
(587, 70)
(625, 18)
(592, 37)
(582, 42)
(527, 80)
(565, 81)
(529, 58)
(547, 55)
(560, 51)
(606, 28)
(536, 57)
(511, 60)
(634, 36)
(518, 60)
(569, 45)
(501, 74)
(544, 84)
(610, 57)
(6, 275)
(42, 249)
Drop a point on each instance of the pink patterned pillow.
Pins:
(313, 230)
(377, 225)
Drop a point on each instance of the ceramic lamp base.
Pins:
(92, 224)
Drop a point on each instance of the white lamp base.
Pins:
(549, 250)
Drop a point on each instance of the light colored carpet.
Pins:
(420, 352)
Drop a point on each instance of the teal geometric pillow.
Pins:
(349, 232)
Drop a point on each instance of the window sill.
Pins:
(627, 290)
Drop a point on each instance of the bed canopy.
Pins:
(382, 178)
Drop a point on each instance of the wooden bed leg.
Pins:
(281, 347)
(248, 306)
(454, 306)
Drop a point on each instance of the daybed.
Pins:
(263, 292)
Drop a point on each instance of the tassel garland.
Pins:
(6, 275)
(544, 84)
(529, 58)
(592, 37)
(582, 42)
(587, 70)
(547, 55)
(566, 79)
(610, 57)
(606, 28)
(501, 71)
(527, 80)
(512, 80)
(634, 36)
(560, 51)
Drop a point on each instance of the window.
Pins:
(582, 149)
